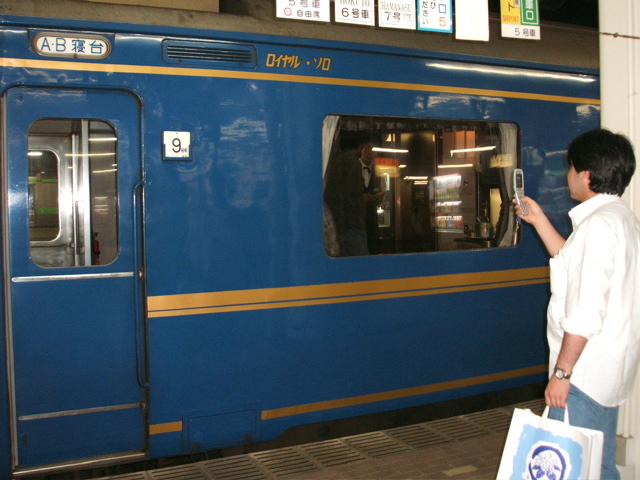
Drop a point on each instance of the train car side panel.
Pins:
(252, 326)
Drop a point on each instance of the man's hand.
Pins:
(557, 392)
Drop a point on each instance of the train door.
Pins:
(72, 170)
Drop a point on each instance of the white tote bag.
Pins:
(539, 447)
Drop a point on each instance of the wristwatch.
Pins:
(561, 374)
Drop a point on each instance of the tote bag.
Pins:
(539, 447)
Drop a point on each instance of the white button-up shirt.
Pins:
(595, 293)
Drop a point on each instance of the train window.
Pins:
(73, 207)
(404, 185)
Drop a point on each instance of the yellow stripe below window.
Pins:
(334, 293)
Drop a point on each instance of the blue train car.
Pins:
(179, 218)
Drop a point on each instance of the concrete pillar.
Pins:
(620, 93)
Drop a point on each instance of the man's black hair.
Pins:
(607, 156)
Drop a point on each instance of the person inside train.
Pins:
(373, 196)
(593, 316)
(344, 195)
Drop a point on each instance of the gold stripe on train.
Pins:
(165, 428)
(171, 427)
(334, 293)
(280, 77)
(402, 393)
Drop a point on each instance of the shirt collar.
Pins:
(586, 208)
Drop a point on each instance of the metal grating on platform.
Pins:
(494, 420)
(281, 463)
(240, 467)
(285, 461)
(182, 472)
(417, 436)
(536, 406)
(376, 444)
(331, 453)
(457, 428)
(129, 476)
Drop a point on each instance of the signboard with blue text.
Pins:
(435, 16)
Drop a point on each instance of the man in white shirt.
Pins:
(593, 316)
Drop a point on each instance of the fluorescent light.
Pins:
(464, 165)
(34, 154)
(103, 139)
(390, 150)
(476, 149)
(416, 178)
(77, 155)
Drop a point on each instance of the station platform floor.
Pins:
(456, 448)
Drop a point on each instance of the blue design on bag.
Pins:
(547, 462)
(543, 455)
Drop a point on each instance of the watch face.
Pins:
(560, 373)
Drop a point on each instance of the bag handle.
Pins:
(545, 414)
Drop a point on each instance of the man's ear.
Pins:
(586, 176)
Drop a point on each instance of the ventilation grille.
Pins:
(214, 54)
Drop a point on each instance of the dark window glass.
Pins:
(404, 185)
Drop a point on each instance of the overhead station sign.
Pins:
(435, 16)
(520, 19)
(472, 20)
(315, 10)
(359, 12)
(397, 14)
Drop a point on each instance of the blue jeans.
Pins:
(586, 412)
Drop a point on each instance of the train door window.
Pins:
(404, 185)
(73, 207)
